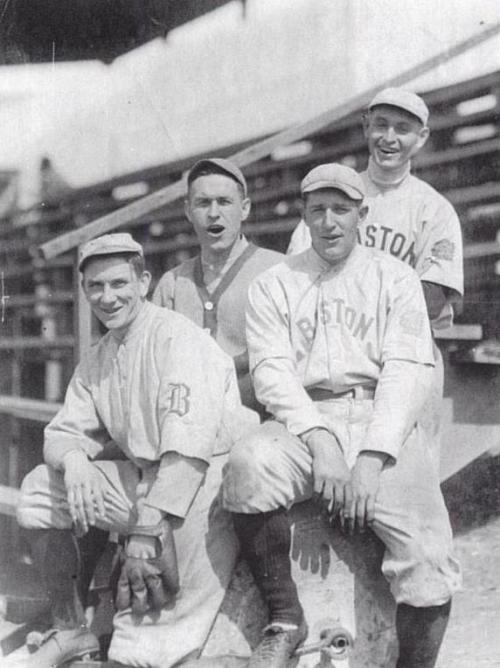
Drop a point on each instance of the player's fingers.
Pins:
(88, 504)
(157, 594)
(80, 509)
(72, 505)
(370, 509)
(99, 502)
(347, 509)
(139, 592)
(361, 514)
(319, 483)
(122, 599)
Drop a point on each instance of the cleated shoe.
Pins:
(277, 646)
(55, 648)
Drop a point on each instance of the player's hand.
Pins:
(359, 505)
(330, 471)
(84, 489)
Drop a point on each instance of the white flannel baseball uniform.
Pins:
(164, 387)
(360, 331)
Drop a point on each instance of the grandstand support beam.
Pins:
(251, 154)
(82, 322)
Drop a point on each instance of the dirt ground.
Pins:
(473, 499)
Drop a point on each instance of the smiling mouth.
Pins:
(388, 151)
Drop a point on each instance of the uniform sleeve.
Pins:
(174, 489)
(401, 392)
(77, 425)
(199, 407)
(300, 239)
(407, 334)
(272, 361)
(440, 255)
(165, 291)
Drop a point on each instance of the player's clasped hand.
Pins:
(330, 472)
(84, 489)
(361, 492)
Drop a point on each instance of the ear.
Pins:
(145, 282)
(363, 212)
(365, 120)
(423, 136)
(246, 205)
(187, 211)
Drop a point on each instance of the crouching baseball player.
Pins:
(341, 355)
(160, 391)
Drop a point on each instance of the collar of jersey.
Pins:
(324, 268)
(385, 179)
(135, 327)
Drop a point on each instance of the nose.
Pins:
(329, 219)
(390, 134)
(213, 210)
(107, 295)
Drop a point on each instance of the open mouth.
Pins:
(215, 229)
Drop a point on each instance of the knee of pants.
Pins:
(247, 471)
(423, 572)
(35, 483)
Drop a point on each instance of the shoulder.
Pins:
(183, 269)
(390, 268)
(429, 195)
(262, 259)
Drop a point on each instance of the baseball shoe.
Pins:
(55, 648)
(277, 646)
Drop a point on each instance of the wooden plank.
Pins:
(28, 409)
(253, 153)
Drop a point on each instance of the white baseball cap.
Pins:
(334, 175)
(403, 99)
(109, 244)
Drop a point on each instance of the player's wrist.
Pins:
(375, 459)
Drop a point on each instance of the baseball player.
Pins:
(211, 288)
(158, 390)
(408, 219)
(341, 355)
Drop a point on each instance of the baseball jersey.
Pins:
(164, 387)
(177, 290)
(414, 223)
(311, 325)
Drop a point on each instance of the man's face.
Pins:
(332, 218)
(216, 209)
(115, 291)
(393, 135)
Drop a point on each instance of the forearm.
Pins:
(279, 389)
(400, 395)
(176, 485)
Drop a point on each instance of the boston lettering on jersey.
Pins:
(336, 311)
(386, 239)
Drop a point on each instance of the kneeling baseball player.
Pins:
(161, 391)
(341, 355)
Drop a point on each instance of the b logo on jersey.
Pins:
(178, 398)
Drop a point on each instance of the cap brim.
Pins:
(351, 192)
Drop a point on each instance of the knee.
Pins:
(33, 483)
(249, 455)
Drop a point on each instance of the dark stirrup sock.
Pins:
(265, 544)
(56, 556)
(91, 546)
(420, 633)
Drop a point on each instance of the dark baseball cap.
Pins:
(222, 165)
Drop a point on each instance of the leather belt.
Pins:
(358, 392)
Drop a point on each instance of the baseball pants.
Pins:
(206, 552)
(273, 469)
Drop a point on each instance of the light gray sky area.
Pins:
(224, 78)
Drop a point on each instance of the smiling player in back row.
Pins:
(408, 219)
